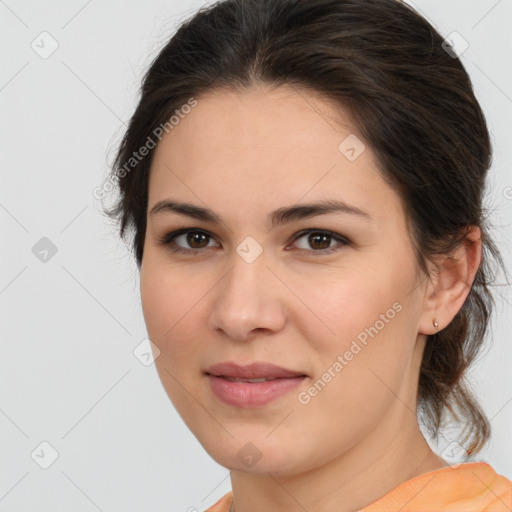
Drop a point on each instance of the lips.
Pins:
(253, 385)
(259, 372)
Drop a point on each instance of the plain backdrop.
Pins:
(69, 291)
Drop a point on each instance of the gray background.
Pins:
(69, 376)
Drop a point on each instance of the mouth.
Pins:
(251, 385)
(252, 372)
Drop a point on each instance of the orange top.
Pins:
(469, 487)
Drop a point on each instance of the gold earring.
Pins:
(435, 325)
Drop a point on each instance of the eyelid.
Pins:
(169, 237)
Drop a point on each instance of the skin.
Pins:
(244, 154)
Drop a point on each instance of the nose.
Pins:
(250, 298)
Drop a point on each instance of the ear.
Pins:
(451, 282)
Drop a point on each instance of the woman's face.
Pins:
(335, 296)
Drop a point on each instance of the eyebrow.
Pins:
(278, 217)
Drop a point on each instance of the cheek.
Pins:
(167, 302)
(155, 296)
(342, 304)
(362, 318)
(170, 307)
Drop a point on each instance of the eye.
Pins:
(195, 238)
(321, 241)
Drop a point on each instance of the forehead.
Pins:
(267, 147)
(261, 117)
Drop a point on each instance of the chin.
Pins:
(256, 456)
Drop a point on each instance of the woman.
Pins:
(304, 182)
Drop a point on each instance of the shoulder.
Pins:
(469, 487)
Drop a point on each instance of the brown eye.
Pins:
(320, 241)
(196, 237)
(187, 241)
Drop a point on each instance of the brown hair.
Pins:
(411, 99)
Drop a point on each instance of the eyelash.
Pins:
(168, 240)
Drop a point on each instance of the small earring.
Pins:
(435, 325)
